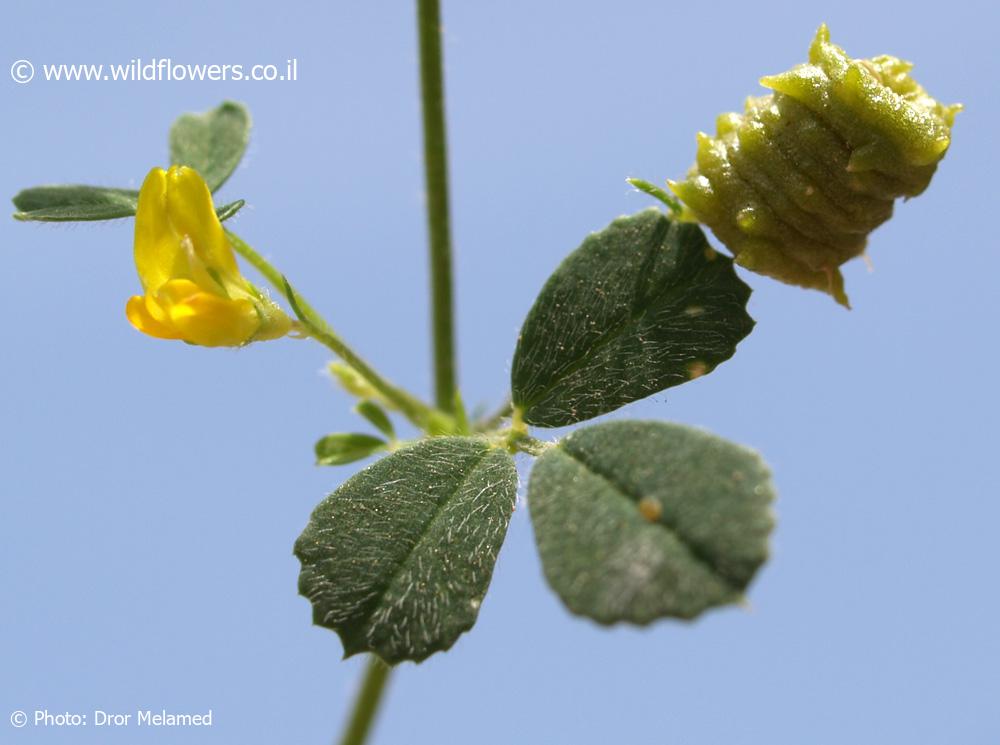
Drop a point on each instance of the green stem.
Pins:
(367, 702)
(531, 445)
(317, 328)
(658, 193)
(438, 224)
(520, 441)
(494, 420)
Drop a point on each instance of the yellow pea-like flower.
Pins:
(193, 289)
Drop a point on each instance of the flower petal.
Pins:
(139, 316)
(158, 254)
(191, 213)
(193, 287)
(207, 319)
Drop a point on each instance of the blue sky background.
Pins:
(152, 491)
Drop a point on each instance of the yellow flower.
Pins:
(193, 288)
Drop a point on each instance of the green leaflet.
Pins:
(346, 447)
(376, 415)
(79, 203)
(228, 210)
(398, 559)
(639, 520)
(212, 143)
(68, 202)
(643, 305)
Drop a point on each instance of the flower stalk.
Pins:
(312, 324)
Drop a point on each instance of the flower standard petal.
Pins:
(158, 255)
(191, 213)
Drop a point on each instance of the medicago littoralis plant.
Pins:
(634, 520)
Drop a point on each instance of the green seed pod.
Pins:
(794, 185)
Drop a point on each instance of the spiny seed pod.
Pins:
(795, 184)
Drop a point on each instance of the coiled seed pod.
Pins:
(794, 185)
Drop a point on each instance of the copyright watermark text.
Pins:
(157, 69)
(22, 71)
(110, 719)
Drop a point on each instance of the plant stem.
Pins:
(493, 420)
(520, 441)
(438, 223)
(317, 328)
(676, 210)
(531, 445)
(367, 702)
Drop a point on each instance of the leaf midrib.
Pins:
(376, 602)
(697, 555)
(613, 334)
